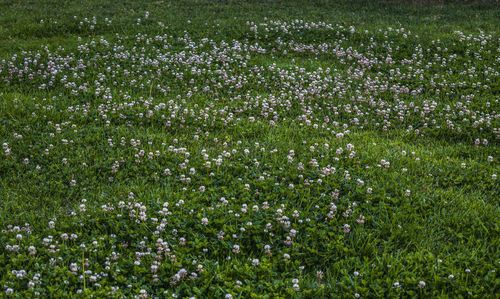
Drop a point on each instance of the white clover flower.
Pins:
(32, 250)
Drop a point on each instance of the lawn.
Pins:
(249, 149)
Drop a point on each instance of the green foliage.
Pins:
(249, 149)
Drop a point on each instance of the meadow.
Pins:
(249, 149)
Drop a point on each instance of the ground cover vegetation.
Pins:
(241, 149)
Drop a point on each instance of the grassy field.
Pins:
(249, 149)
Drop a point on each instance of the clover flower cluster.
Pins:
(194, 179)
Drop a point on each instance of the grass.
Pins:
(249, 149)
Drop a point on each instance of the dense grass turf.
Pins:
(249, 149)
